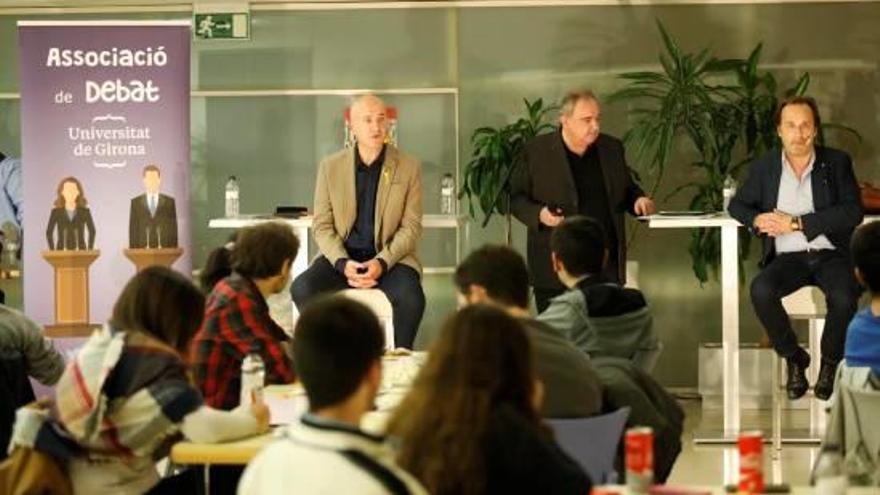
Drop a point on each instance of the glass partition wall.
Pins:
(267, 109)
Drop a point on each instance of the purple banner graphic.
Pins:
(105, 154)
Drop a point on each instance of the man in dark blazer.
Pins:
(803, 202)
(577, 170)
(152, 220)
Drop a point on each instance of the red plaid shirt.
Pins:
(236, 318)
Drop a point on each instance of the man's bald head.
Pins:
(369, 122)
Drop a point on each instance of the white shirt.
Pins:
(796, 199)
(152, 202)
(316, 456)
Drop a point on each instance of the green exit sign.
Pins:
(222, 26)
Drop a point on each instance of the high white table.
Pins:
(729, 308)
(302, 225)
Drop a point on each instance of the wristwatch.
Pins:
(795, 223)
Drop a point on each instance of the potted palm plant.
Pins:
(497, 151)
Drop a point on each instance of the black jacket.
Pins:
(70, 232)
(523, 458)
(545, 179)
(16, 392)
(836, 198)
(624, 384)
(146, 231)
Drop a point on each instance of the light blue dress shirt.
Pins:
(796, 199)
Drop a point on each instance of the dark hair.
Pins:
(261, 250)
(579, 242)
(218, 265)
(865, 249)
(81, 201)
(480, 364)
(163, 303)
(799, 100)
(336, 340)
(151, 168)
(500, 270)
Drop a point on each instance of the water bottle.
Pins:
(729, 191)
(830, 476)
(253, 376)
(447, 195)
(232, 197)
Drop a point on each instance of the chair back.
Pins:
(592, 442)
(853, 423)
(805, 303)
(376, 300)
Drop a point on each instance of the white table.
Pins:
(729, 307)
(302, 225)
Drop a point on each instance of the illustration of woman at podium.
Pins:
(70, 218)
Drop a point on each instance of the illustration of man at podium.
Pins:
(70, 219)
(152, 220)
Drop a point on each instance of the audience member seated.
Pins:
(218, 265)
(863, 335)
(600, 317)
(498, 275)
(852, 419)
(471, 423)
(24, 351)
(368, 222)
(337, 351)
(237, 320)
(126, 396)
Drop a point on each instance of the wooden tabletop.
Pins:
(239, 452)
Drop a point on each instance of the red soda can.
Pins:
(639, 444)
(751, 462)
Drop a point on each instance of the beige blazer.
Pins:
(398, 221)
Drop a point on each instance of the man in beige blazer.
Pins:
(368, 222)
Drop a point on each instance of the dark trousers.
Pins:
(401, 285)
(832, 272)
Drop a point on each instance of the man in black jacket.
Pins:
(577, 170)
(803, 202)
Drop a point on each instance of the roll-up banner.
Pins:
(105, 158)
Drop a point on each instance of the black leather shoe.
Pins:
(797, 384)
(825, 382)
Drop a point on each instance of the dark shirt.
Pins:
(592, 196)
(360, 244)
(522, 458)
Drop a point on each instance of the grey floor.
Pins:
(705, 465)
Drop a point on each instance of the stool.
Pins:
(807, 303)
(376, 300)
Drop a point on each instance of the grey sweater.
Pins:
(20, 333)
(571, 387)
